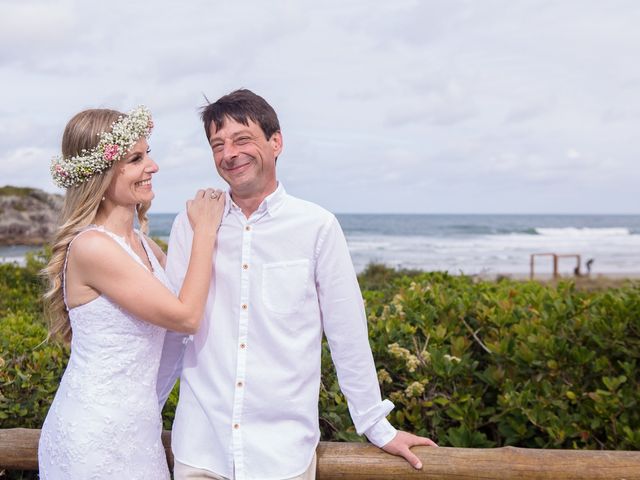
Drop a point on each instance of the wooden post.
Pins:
(531, 266)
(18, 451)
(576, 270)
(532, 259)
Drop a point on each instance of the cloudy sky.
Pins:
(449, 106)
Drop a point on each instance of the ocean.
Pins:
(487, 245)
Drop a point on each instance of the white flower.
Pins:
(114, 145)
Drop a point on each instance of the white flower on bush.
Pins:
(414, 390)
(402, 353)
(384, 377)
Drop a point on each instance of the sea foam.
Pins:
(583, 232)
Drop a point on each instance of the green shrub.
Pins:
(481, 364)
(30, 370)
(468, 363)
(21, 287)
(30, 367)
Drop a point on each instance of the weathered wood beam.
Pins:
(19, 448)
(360, 461)
(18, 451)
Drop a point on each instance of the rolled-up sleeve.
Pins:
(345, 326)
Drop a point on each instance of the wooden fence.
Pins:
(19, 451)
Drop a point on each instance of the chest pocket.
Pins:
(284, 285)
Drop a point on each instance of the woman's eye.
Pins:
(148, 150)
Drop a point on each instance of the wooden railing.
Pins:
(19, 451)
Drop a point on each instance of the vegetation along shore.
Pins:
(470, 362)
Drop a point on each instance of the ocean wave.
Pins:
(485, 230)
(358, 245)
(18, 260)
(583, 232)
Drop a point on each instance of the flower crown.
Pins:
(113, 146)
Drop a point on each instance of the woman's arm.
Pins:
(100, 263)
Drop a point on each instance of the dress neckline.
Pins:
(143, 243)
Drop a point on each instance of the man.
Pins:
(250, 377)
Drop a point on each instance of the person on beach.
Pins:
(110, 297)
(248, 406)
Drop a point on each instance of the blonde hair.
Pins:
(81, 204)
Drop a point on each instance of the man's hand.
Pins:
(402, 442)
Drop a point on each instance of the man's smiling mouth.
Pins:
(235, 168)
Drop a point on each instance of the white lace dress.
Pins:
(104, 422)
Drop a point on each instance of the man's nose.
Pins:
(229, 151)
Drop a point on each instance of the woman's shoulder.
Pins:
(93, 245)
(91, 237)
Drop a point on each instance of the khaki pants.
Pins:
(185, 472)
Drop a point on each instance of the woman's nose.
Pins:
(153, 166)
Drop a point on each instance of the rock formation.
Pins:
(28, 216)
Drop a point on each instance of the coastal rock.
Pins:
(28, 216)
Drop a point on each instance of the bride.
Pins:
(110, 297)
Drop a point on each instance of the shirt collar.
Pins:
(271, 203)
(227, 204)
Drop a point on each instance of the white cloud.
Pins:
(446, 106)
(27, 166)
(30, 25)
(573, 154)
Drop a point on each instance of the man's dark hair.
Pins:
(241, 105)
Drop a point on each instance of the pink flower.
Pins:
(60, 170)
(110, 152)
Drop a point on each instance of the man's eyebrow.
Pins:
(242, 132)
(234, 135)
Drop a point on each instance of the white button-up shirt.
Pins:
(251, 375)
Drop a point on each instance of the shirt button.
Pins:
(245, 266)
(247, 228)
(239, 384)
(236, 426)
(244, 306)
(243, 346)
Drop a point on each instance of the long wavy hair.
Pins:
(81, 205)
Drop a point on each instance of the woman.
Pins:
(109, 295)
